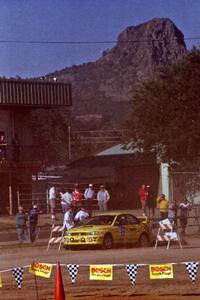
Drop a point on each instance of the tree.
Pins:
(51, 135)
(165, 111)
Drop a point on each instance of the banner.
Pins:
(73, 271)
(0, 281)
(161, 271)
(18, 275)
(41, 269)
(192, 268)
(101, 272)
(132, 272)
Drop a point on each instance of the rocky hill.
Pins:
(103, 87)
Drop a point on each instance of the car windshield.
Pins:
(100, 220)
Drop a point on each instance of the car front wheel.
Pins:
(108, 241)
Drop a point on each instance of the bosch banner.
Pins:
(101, 272)
(161, 271)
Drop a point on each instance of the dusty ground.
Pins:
(181, 287)
(119, 288)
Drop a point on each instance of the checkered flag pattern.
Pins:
(132, 272)
(73, 270)
(192, 268)
(18, 275)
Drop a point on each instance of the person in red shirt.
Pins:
(77, 197)
(143, 195)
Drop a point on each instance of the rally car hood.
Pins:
(87, 228)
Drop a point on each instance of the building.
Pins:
(122, 171)
(17, 164)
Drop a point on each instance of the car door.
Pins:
(119, 229)
(133, 228)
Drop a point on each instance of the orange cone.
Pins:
(59, 293)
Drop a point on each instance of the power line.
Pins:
(89, 42)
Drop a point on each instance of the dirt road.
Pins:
(119, 287)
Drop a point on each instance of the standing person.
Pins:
(184, 207)
(163, 205)
(21, 228)
(3, 146)
(89, 196)
(66, 200)
(52, 201)
(68, 221)
(77, 197)
(143, 198)
(33, 220)
(150, 201)
(172, 212)
(103, 197)
(81, 215)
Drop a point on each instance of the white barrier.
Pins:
(58, 239)
(167, 233)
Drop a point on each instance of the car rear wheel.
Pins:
(108, 241)
(143, 240)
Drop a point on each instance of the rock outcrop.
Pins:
(104, 87)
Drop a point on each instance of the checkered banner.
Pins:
(18, 275)
(132, 272)
(73, 270)
(192, 268)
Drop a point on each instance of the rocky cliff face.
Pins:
(104, 87)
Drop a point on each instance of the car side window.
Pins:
(121, 220)
(131, 220)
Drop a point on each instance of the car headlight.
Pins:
(94, 233)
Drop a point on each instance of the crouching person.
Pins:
(81, 215)
(21, 228)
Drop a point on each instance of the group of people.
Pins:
(22, 218)
(166, 208)
(77, 200)
(170, 210)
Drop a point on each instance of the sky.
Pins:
(23, 21)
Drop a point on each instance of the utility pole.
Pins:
(69, 142)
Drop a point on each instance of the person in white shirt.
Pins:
(52, 201)
(66, 200)
(89, 196)
(103, 198)
(68, 221)
(81, 215)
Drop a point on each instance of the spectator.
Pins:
(163, 205)
(21, 228)
(89, 196)
(81, 215)
(103, 197)
(172, 212)
(66, 200)
(77, 198)
(184, 207)
(143, 198)
(68, 222)
(150, 201)
(33, 220)
(52, 201)
(3, 146)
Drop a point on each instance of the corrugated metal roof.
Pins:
(117, 150)
(34, 93)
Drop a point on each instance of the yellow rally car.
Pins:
(110, 229)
